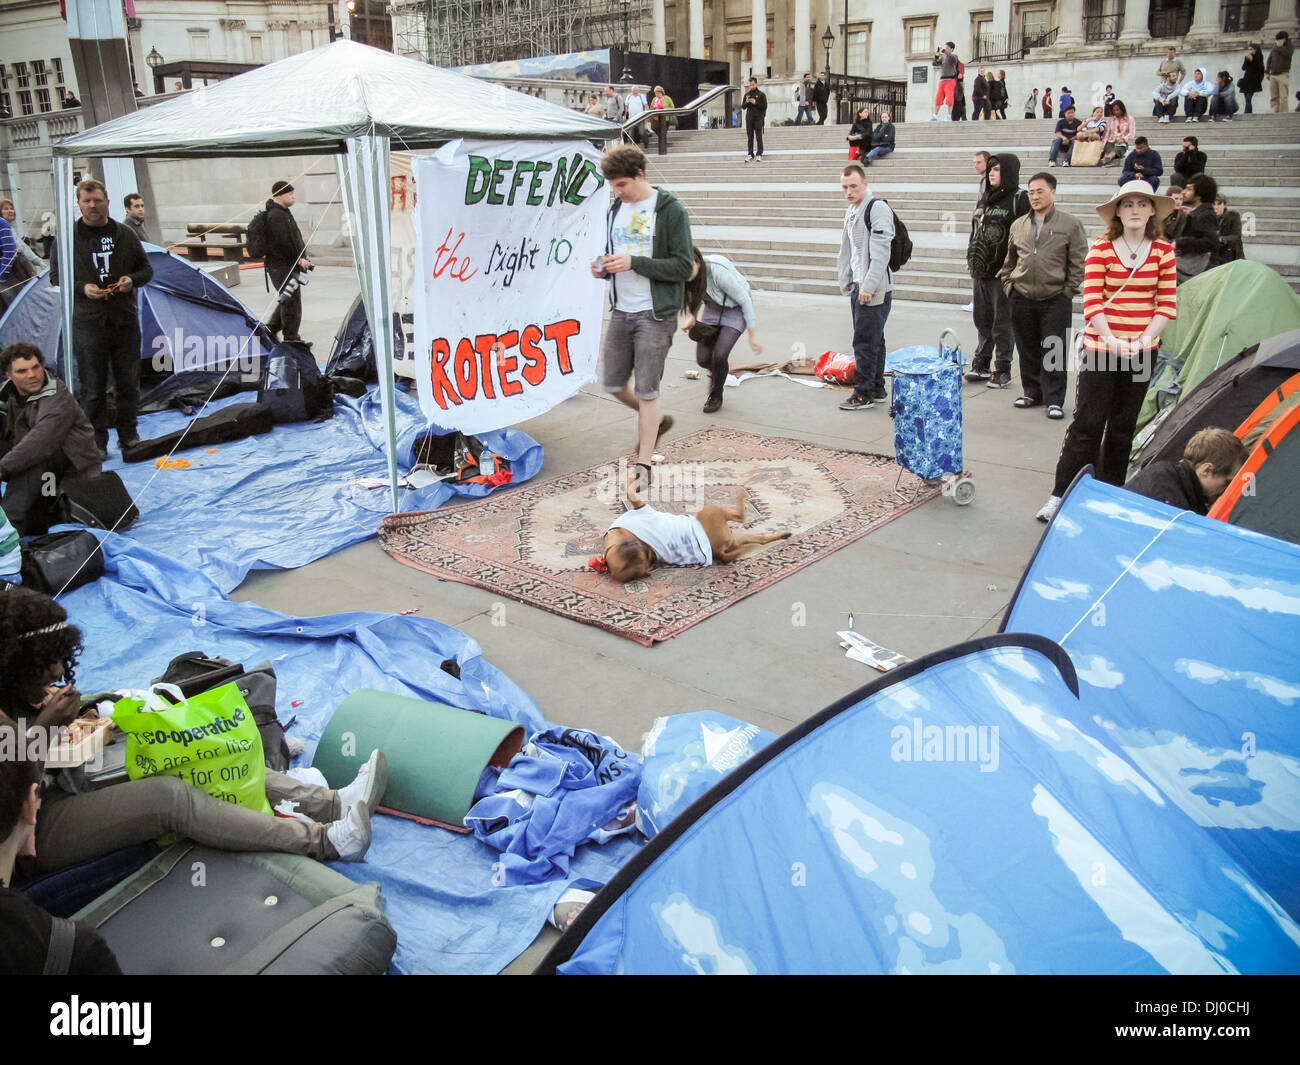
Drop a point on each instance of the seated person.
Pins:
(11, 555)
(860, 134)
(1196, 96)
(1166, 98)
(1210, 461)
(882, 139)
(25, 929)
(1189, 162)
(1230, 246)
(1094, 129)
(1143, 164)
(1119, 135)
(1067, 129)
(1176, 221)
(1223, 104)
(38, 657)
(1197, 247)
(42, 431)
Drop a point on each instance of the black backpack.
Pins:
(292, 385)
(256, 237)
(900, 248)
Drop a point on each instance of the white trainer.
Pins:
(350, 835)
(1049, 510)
(368, 787)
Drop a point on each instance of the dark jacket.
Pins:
(138, 228)
(284, 243)
(990, 227)
(980, 87)
(1279, 59)
(1171, 482)
(1189, 163)
(674, 255)
(860, 134)
(25, 930)
(1230, 247)
(125, 258)
(1200, 234)
(35, 429)
(755, 107)
(998, 93)
(883, 136)
(1252, 74)
(1152, 165)
(821, 91)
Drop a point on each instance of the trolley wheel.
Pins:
(964, 490)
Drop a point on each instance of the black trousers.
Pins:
(1106, 406)
(821, 112)
(102, 349)
(993, 326)
(754, 133)
(1042, 330)
(31, 498)
(715, 358)
(288, 313)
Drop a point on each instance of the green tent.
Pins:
(1219, 313)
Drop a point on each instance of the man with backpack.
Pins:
(274, 236)
(866, 249)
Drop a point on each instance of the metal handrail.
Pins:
(668, 112)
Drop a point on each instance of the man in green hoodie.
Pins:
(648, 259)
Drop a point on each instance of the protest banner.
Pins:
(507, 314)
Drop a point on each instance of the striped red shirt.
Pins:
(1151, 291)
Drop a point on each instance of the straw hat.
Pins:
(1163, 204)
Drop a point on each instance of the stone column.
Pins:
(659, 40)
(696, 31)
(1205, 25)
(802, 39)
(1070, 27)
(1136, 21)
(1281, 16)
(758, 40)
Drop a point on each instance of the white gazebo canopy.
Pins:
(343, 98)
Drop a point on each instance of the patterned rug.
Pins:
(531, 544)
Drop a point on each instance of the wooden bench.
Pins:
(232, 248)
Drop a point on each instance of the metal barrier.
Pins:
(633, 126)
(853, 93)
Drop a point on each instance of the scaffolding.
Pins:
(454, 33)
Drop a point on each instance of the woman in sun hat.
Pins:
(1129, 296)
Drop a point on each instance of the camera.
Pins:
(294, 283)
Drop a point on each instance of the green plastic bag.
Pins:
(210, 741)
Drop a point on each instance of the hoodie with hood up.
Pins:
(991, 223)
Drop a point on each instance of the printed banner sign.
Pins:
(507, 314)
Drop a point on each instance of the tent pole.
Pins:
(364, 176)
(63, 215)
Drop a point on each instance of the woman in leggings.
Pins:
(718, 309)
(38, 657)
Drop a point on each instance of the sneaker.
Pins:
(856, 402)
(1065, 164)
(879, 396)
(350, 834)
(970, 306)
(934, 118)
(1227, 118)
(999, 379)
(368, 787)
(978, 373)
(1164, 119)
(1052, 163)
(749, 158)
(1049, 510)
(758, 158)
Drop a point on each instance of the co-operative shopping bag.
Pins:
(209, 741)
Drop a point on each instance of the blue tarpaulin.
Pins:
(445, 894)
(286, 498)
(1185, 633)
(948, 818)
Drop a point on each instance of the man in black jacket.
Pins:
(1210, 461)
(821, 97)
(754, 106)
(1189, 162)
(286, 254)
(108, 265)
(42, 433)
(986, 251)
(979, 95)
(1197, 250)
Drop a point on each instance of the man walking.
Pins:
(135, 212)
(754, 106)
(946, 60)
(286, 255)
(108, 265)
(648, 258)
(821, 97)
(1279, 73)
(803, 95)
(864, 277)
(633, 106)
(979, 95)
(613, 104)
(1042, 273)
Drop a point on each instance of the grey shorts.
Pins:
(636, 341)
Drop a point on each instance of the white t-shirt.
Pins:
(676, 539)
(632, 232)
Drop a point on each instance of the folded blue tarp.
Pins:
(445, 894)
(285, 499)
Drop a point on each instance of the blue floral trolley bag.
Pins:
(926, 408)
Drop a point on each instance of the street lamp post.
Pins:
(154, 59)
(828, 42)
(626, 77)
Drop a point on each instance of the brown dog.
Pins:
(682, 540)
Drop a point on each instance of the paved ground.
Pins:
(938, 575)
